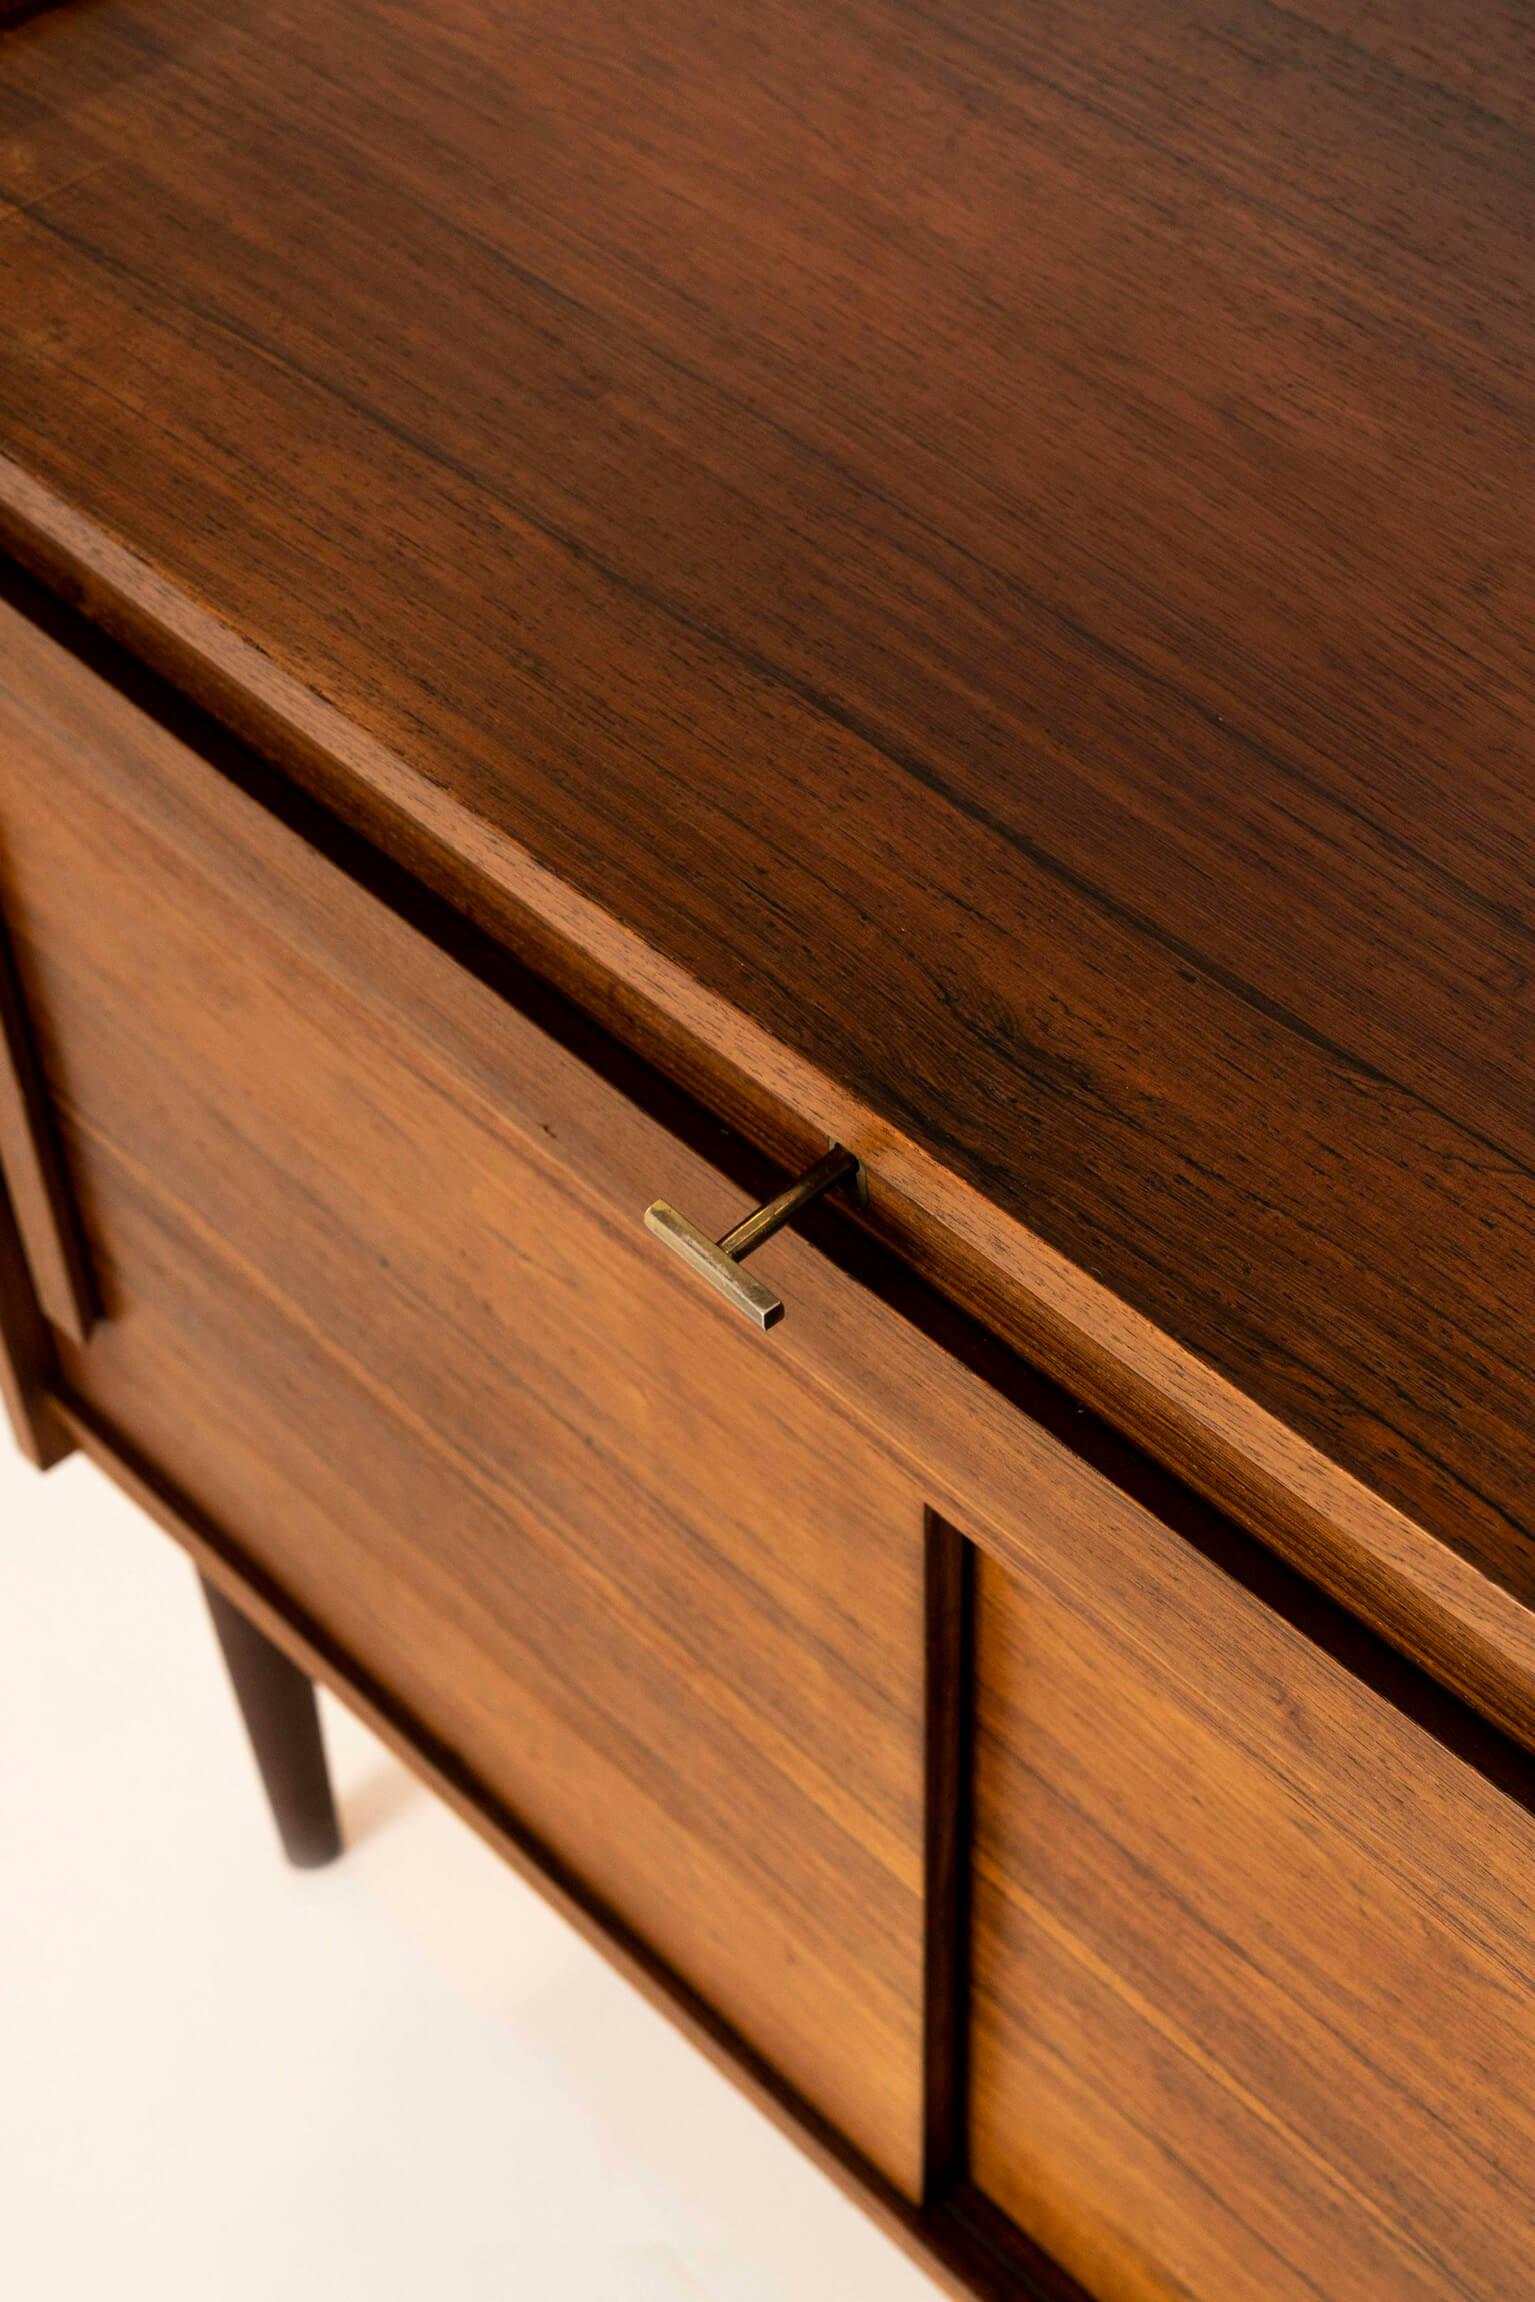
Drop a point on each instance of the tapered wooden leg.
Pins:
(282, 1718)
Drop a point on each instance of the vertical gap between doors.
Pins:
(950, 1700)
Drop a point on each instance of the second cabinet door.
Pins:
(1255, 1953)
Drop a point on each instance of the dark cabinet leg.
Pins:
(282, 1718)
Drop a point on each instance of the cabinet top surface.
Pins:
(993, 542)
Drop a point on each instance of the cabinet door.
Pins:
(379, 1305)
(1254, 1952)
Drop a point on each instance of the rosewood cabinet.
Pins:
(595, 610)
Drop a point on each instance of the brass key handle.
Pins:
(719, 1260)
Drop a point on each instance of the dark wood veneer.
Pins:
(380, 1300)
(941, 575)
(962, 576)
(1254, 1957)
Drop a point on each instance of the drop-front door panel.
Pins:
(379, 1302)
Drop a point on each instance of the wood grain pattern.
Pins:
(1255, 1955)
(298, 1306)
(969, 575)
(366, 1314)
(979, 1433)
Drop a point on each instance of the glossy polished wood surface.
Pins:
(379, 1304)
(1255, 1955)
(966, 568)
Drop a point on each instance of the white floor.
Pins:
(399, 2078)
